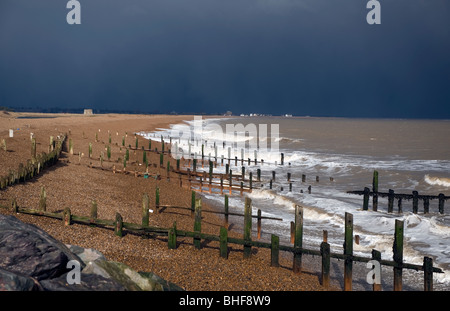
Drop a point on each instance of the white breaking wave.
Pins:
(437, 181)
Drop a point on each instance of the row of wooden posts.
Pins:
(36, 164)
(173, 233)
(391, 195)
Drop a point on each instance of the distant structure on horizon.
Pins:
(88, 112)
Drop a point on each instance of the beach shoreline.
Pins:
(71, 183)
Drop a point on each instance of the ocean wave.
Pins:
(437, 181)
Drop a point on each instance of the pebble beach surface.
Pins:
(72, 183)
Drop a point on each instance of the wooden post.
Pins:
(226, 210)
(118, 225)
(376, 255)
(298, 239)
(33, 148)
(14, 206)
(282, 158)
(309, 189)
(398, 254)
(156, 199)
(259, 225)
(399, 204)
(428, 274)
(441, 203)
(348, 252)
(366, 199)
(292, 232)
(258, 174)
(192, 203)
(273, 175)
(243, 173)
(415, 202)
(198, 222)
(270, 184)
(247, 226)
(223, 242)
(221, 184)
(231, 179)
(172, 237)
(145, 210)
(288, 177)
(242, 188)
(303, 178)
(250, 180)
(90, 150)
(274, 251)
(93, 212)
(375, 191)
(194, 165)
(161, 159)
(67, 217)
(43, 200)
(391, 201)
(426, 205)
(325, 252)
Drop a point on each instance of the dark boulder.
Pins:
(28, 250)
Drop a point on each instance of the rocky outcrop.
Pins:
(30, 259)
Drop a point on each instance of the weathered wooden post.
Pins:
(157, 199)
(292, 232)
(391, 198)
(90, 150)
(376, 255)
(227, 168)
(67, 217)
(172, 236)
(226, 210)
(298, 239)
(303, 178)
(250, 180)
(33, 148)
(221, 184)
(43, 200)
(223, 240)
(274, 251)
(325, 253)
(161, 159)
(93, 218)
(415, 202)
(145, 210)
(118, 227)
(273, 175)
(198, 222)
(282, 158)
(243, 173)
(288, 177)
(375, 191)
(258, 174)
(309, 189)
(399, 204)
(428, 274)
(270, 184)
(193, 197)
(194, 165)
(426, 205)
(348, 252)
(366, 199)
(398, 255)
(259, 225)
(441, 203)
(247, 227)
(231, 179)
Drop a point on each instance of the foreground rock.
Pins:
(30, 260)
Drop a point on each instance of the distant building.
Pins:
(88, 112)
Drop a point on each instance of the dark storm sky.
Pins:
(305, 57)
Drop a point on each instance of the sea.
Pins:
(336, 155)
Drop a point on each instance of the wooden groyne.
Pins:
(36, 164)
(173, 234)
(400, 197)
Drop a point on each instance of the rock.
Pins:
(10, 281)
(129, 278)
(86, 254)
(28, 250)
(88, 282)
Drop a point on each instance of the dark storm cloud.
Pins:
(272, 56)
